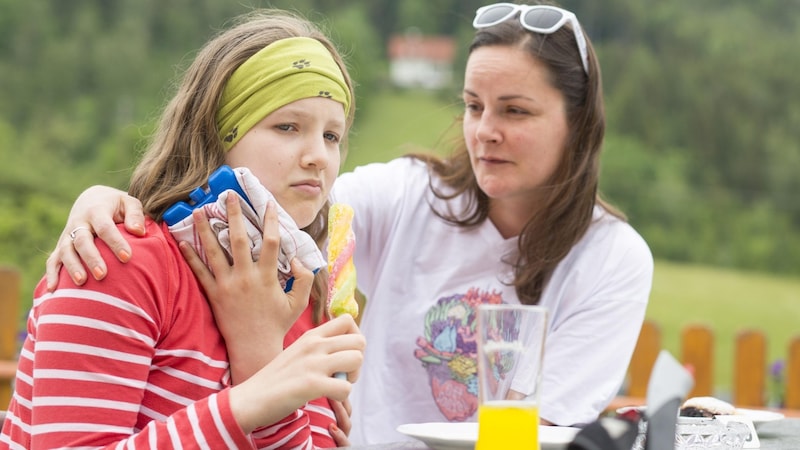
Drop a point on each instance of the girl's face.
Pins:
(294, 152)
(515, 124)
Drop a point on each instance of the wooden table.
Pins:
(778, 435)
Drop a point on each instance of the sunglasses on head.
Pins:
(542, 19)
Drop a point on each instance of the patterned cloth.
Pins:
(294, 241)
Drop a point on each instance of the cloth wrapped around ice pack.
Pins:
(294, 241)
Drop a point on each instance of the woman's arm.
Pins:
(95, 212)
(341, 429)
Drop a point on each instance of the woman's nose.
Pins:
(487, 130)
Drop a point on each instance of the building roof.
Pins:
(436, 48)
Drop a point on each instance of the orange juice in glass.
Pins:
(510, 350)
(508, 424)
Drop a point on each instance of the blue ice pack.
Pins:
(220, 181)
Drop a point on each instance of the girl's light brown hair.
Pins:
(186, 147)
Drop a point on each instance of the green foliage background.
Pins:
(703, 108)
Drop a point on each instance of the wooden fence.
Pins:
(697, 353)
(697, 350)
(9, 323)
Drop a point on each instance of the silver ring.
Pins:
(72, 233)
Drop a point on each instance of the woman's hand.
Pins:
(302, 372)
(342, 411)
(252, 311)
(95, 212)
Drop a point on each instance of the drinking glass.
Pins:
(510, 351)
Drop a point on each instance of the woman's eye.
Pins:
(471, 106)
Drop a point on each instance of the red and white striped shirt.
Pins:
(136, 361)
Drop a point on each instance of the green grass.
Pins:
(397, 122)
(727, 300)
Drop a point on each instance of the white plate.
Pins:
(462, 435)
(759, 415)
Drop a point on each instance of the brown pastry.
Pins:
(706, 407)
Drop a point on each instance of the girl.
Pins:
(142, 359)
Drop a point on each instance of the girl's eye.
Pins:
(333, 137)
(285, 127)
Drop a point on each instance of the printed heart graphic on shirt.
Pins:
(448, 351)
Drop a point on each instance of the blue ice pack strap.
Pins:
(290, 281)
(220, 181)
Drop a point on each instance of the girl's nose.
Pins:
(316, 153)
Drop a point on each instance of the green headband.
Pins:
(283, 72)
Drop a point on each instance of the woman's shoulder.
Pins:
(611, 261)
(398, 168)
(611, 234)
(399, 177)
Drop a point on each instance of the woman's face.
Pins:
(515, 124)
(294, 152)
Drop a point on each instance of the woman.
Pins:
(512, 216)
(144, 358)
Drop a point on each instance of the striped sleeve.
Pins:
(91, 355)
(135, 361)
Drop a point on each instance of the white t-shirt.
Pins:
(423, 278)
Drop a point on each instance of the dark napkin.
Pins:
(669, 384)
(606, 433)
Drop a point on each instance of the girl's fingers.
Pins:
(201, 271)
(240, 244)
(301, 287)
(347, 361)
(217, 260)
(271, 239)
(344, 324)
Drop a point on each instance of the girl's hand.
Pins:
(251, 310)
(95, 212)
(302, 372)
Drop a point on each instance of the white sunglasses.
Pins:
(543, 19)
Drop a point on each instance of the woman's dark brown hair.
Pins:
(572, 192)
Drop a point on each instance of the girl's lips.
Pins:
(312, 188)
